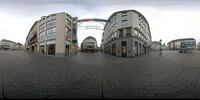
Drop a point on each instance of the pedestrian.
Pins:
(160, 51)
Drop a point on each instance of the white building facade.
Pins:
(126, 34)
(176, 44)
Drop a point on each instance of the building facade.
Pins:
(198, 46)
(31, 43)
(10, 45)
(55, 34)
(176, 44)
(126, 34)
(89, 44)
(155, 46)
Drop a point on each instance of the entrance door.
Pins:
(109, 50)
(51, 49)
(140, 49)
(32, 48)
(136, 48)
(114, 49)
(42, 49)
(123, 49)
(143, 50)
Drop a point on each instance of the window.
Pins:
(48, 16)
(121, 33)
(124, 15)
(42, 36)
(51, 33)
(128, 31)
(41, 27)
(124, 12)
(68, 22)
(68, 30)
(124, 20)
(43, 18)
(139, 35)
(114, 18)
(51, 23)
(115, 35)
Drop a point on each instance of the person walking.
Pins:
(160, 51)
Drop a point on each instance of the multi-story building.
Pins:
(55, 34)
(10, 45)
(31, 43)
(155, 46)
(89, 44)
(126, 34)
(176, 44)
(198, 46)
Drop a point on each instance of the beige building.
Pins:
(55, 34)
(126, 34)
(10, 45)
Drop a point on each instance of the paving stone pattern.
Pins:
(97, 75)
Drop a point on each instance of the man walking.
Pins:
(160, 51)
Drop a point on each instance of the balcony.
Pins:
(33, 40)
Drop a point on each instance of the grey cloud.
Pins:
(106, 2)
(36, 7)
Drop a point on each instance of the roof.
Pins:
(92, 19)
(181, 40)
(8, 40)
(89, 37)
(35, 23)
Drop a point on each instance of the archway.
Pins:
(87, 24)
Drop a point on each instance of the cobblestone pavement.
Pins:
(28, 75)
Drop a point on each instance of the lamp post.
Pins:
(160, 46)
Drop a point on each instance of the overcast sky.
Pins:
(168, 19)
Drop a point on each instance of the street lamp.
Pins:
(160, 46)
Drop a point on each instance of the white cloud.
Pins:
(166, 22)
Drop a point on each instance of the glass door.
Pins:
(124, 49)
